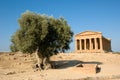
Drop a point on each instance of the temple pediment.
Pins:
(88, 33)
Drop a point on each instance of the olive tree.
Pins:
(43, 35)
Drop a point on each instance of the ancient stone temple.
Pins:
(90, 41)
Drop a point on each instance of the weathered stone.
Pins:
(88, 68)
(90, 41)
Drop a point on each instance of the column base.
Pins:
(90, 51)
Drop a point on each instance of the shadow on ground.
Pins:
(70, 63)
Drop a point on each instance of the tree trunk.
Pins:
(46, 63)
(39, 60)
(43, 63)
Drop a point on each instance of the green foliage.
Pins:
(47, 34)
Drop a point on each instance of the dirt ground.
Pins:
(18, 66)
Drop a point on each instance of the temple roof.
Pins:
(88, 33)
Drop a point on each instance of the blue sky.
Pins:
(81, 15)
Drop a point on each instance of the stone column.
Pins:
(90, 41)
(101, 46)
(96, 44)
(80, 45)
(75, 45)
(84, 44)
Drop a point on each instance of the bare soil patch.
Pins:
(18, 66)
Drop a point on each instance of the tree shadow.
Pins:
(62, 64)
